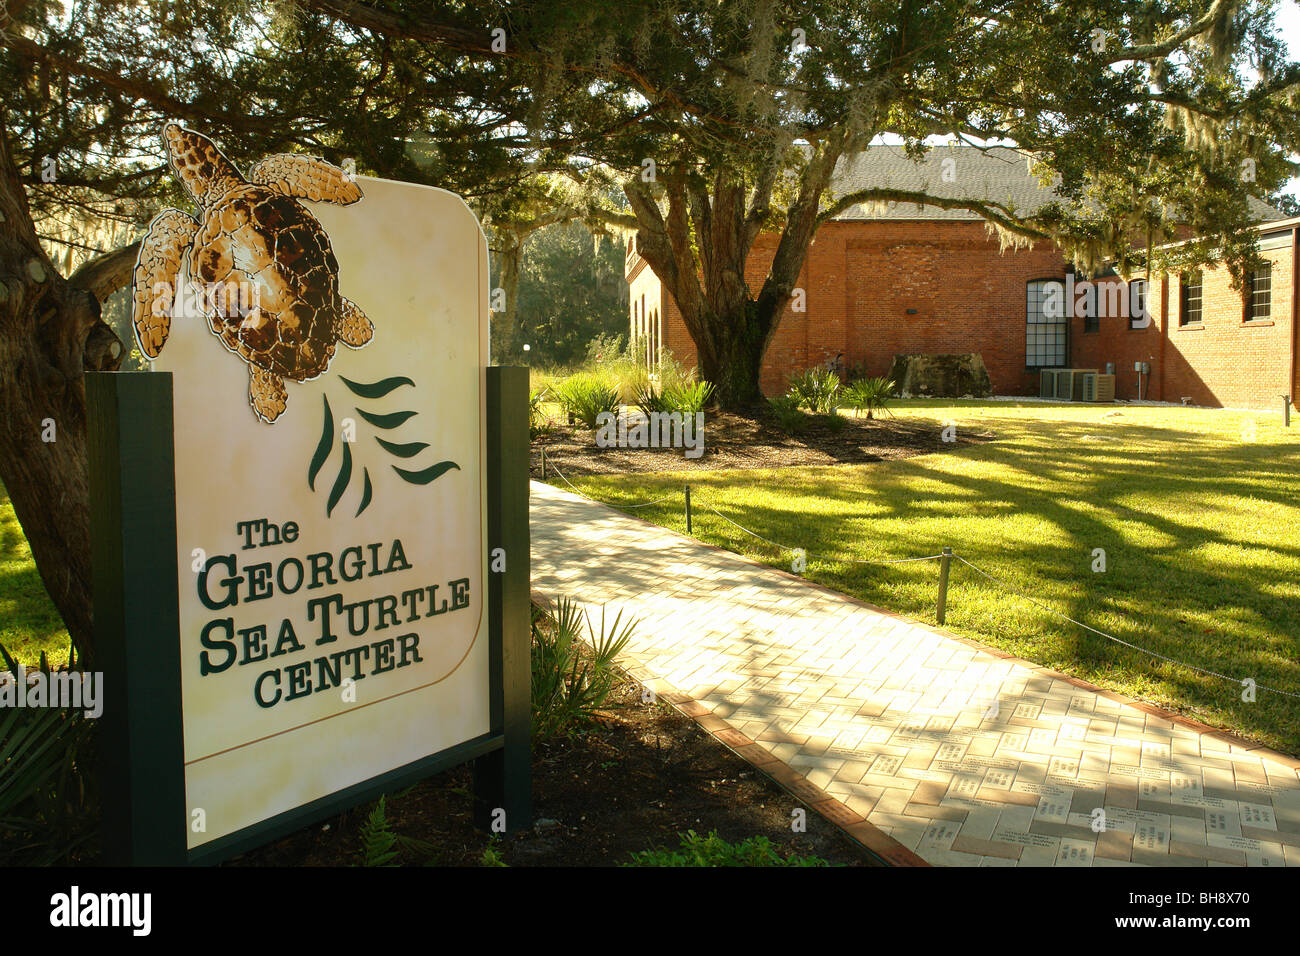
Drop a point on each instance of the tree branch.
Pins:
(1154, 51)
(103, 276)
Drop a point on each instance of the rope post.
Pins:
(543, 463)
(944, 561)
(688, 509)
(1286, 411)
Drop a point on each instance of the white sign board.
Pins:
(330, 530)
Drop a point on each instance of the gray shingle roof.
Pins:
(998, 174)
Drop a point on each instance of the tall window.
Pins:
(1189, 298)
(1045, 329)
(1259, 293)
(1091, 323)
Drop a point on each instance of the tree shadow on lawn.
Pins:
(1178, 468)
(1267, 653)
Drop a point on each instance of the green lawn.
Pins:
(1199, 527)
(1198, 512)
(28, 622)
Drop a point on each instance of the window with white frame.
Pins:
(1259, 293)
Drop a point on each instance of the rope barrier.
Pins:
(931, 557)
(610, 504)
(1111, 637)
(785, 547)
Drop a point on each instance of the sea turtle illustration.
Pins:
(263, 265)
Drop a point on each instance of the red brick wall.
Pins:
(1223, 362)
(861, 278)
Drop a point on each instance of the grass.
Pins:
(29, 623)
(1198, 524)
(1199, 529)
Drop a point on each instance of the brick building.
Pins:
(900, 278)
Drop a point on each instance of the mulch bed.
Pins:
(635, 781)
(752, 441)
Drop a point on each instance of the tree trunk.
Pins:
(507, 347)
(699, 250)
(732, 355)
(50, 333)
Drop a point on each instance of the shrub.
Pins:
(789, 417)
(712, 850)
(688, 399)
(630, 379)
(606, 349)
(47, 795)
(566, 689)
(869, 394)
(834, 422)
(651, 400)
(816, 390)
(585, 395)
(539, 423)
(672, 374)
(492, 856)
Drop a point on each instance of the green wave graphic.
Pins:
(323, 448)
(391, 420)
(341, 482)
(367, 492)
(428, 474)
(377, 389)
(409, 450)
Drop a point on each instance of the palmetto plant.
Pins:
(816, 389)
(45, 798)
(688, 398)
(684, 397)
(568, 690)
(651, 400)
(585, 396)
(790, 418)
(869, 394)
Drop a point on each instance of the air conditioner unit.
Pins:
(1047, 383)
(1069, 383)
(1098, 388)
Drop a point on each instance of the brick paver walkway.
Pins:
(866, 715)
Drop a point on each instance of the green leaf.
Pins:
(387, 421)
(377, 389)
(409, 450)
(322, 448)
(426, 476)
(341, 482)
(366, 493)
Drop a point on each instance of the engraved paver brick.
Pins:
(864, 714)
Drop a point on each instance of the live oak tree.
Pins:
(1151, 114)
(85, 96)
(1155, 119)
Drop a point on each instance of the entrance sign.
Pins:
(293, 514)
